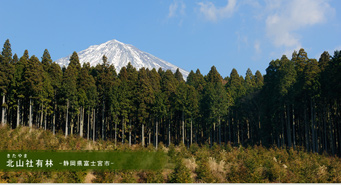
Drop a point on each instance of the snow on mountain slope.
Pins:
(120, 54)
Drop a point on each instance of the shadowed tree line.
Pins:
(295, 104)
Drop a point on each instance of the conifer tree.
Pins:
(15, 59)
(191, 78)
(259, 80)
(69, 91)
(178, 75)
(213, 76)
(6, 75)
(125, 99)
(249, 81)
(234, 84)
(129, 100)
(168, 87)
(158, 108)
(198, 82)
(56, 76)
(17, 88)
(46, 60)
(181, 105)
(74, 62)
(33, 82)
(86, 96)
(324, 62)
(105, 81)
(7, 52)
(192, 107)
(143, 100)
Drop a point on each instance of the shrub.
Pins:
(204, 173)
(194, 148)
(127, 177)
(105, 176)
(181, 174)
(204, 164)
(70, 176)
(150, 176)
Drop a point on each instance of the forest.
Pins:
(296, 104)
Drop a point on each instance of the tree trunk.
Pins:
(67, 116)
(229, 125)
(183, 128)
(196, 133)
(191, 131)
(149, 136)
(72, 124)
(41, 115)
(282, 134)
(156, 134)
(81, 126)
(169, 133)
(45, 122)
(325, 129)
(142, 134)
(3, 112)
(259, 129)
(225, 132)
(115, 132)
(330, 123)
(54, 120)
(312, 125)
(18, 113)
(237, 131)
(248, 128)
(164, 131)
(94, 125)
(129, 132)
(88, 127)
(219, 130)
(103, 120)
(306, 130)
(78, 120)
(213, 133)
(209, 136)
(293, 128)
(123, 125)
(288, 127)
(238, 138)
(332, 139)
(30, 116)
(36, 119)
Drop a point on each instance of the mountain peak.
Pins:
(120, 54)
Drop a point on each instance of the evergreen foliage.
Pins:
(295, 104)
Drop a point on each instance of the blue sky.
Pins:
(193, 34)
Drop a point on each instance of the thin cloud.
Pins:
(242, 40)
(288, 17)
(257, 47)
(213, 13)
(257, 50)
(176, 8)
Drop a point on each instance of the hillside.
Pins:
(224, 163)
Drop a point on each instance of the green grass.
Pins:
(195, 164)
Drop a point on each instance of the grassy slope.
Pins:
(196, 164)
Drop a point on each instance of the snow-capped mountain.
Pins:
(120, 54)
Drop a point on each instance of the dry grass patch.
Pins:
(89, 177)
